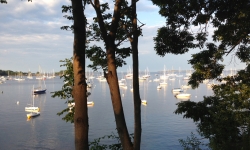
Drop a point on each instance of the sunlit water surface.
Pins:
(161, 128)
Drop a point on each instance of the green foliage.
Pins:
(230, 20)
(169, 40)
(3, 73)
(192, 143)
(10, 73)
(98, 55)
(66, 92)
(206, 65)
(97, 143)
(223, 118)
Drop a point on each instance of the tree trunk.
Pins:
(111, 76)
(80, 86)
(136, 91)
(116, 99)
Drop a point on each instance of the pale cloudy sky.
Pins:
(30, 36)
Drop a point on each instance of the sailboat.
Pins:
(129, 74)
(147, 73)
(20, 78)
(8, 77)
(141, 77)
(179, 75)
(122, 79)
(177, 90)
(164, 76)
(89, 103)
(183, 96)
(51, 75)
(32, 114)
(34, 111)
(29, 75)
(41, 88)
(159, 87)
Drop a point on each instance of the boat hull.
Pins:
(177, 90)
(183, 95)
(33, 114)
(39, 91)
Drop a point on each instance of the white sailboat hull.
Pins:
(183, 95)
(33, 114)
(177, 90)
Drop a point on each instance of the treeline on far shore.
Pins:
(14, 73)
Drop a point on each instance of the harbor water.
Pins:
(161, 128)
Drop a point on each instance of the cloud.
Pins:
(31, 36)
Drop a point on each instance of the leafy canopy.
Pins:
(186, 28)
(223, 118)
(97, 54)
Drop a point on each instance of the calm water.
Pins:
(161, 128)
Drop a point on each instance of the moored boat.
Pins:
(33, 114)
(177, 90)
(183, 95)
(144, 101)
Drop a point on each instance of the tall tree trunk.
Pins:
(116, 99)
(80, 86)
(111, 76)
(136, 91)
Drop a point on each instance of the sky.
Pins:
(30, 37)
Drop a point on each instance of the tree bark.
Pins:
(80, 86)
(111, 76)
(116, 101)
(136, 91)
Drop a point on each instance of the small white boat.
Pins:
(33, 114)
(142, 78)
(183, 95)
(19, 79)
(179, 76)
(159, 87)
(177, 90)
(129, 74)
(156, 79)
(89, 84)
(172, 78)
(73, 104)
(121, 83)
(124, 87)
(163, 83)
(144, 101)
(90, 103)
